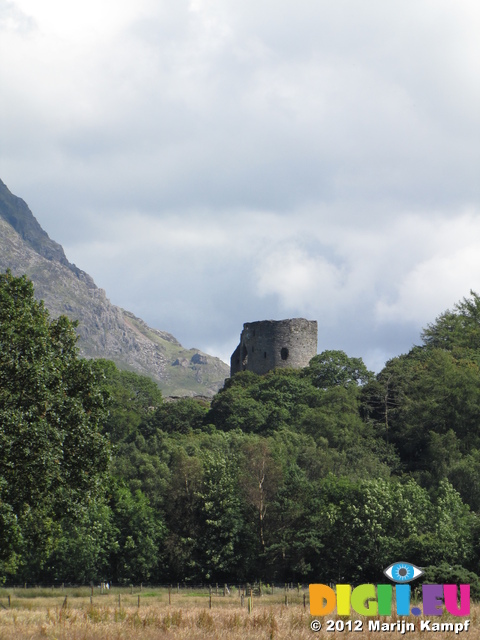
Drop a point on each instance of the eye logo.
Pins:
(402, 572)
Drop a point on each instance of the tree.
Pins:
(52, 454)
(139, 531)
(367, 525)
(83, 553)
(458, 329)
(335, 368)
(260, 477)
(180, 416)
(182, 507)
(219, 516)
(132, 399)
(234, 408)
(427, 403)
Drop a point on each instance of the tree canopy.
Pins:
(327, 473)
(53, 457)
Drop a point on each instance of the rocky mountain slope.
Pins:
(105, 330)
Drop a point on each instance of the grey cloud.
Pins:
(340, 134)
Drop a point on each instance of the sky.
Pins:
(215, 162)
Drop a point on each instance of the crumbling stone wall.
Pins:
(268, 344)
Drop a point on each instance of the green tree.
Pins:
(10, 537)
(219, 516)
(139, 533)
(294, 539)
(182, 512)
(180, 416)
(427, 403)
(88, 539)
(260, 476)
(132, 400)
(53, 457)
(235, 408)
(335, 368)
(458, 329)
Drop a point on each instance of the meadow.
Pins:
(193, 614)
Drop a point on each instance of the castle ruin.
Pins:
(267, 344)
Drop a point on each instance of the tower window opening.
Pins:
(284, 353)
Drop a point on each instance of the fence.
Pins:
(242, 595)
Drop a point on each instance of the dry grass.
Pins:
(188, 617)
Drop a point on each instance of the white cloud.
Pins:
(249, 160)
(435, 283)
(300, 280)
(85, 21)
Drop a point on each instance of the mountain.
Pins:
(105, 330)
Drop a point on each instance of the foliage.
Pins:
(444, 573)
(335, 368)
(456, 330)
(180, 416)
(132, 399)
(138, 534)
(324, 474)
(52, 454)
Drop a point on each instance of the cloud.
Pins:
(446, 271)
(371, 287)
(216, 162)
(221, 105)
(13, 19)
(298, 279)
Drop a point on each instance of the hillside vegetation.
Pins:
(328, 473)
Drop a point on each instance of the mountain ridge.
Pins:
(105, 330)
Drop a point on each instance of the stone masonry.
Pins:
(267, 344)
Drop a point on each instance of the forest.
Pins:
(325, 474)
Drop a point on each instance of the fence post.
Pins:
(138, 602)
(304, 601)
(170, 594)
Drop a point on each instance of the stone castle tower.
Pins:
(268, 344)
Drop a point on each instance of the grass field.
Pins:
(119, 615)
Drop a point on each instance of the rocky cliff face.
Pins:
(105, 331)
